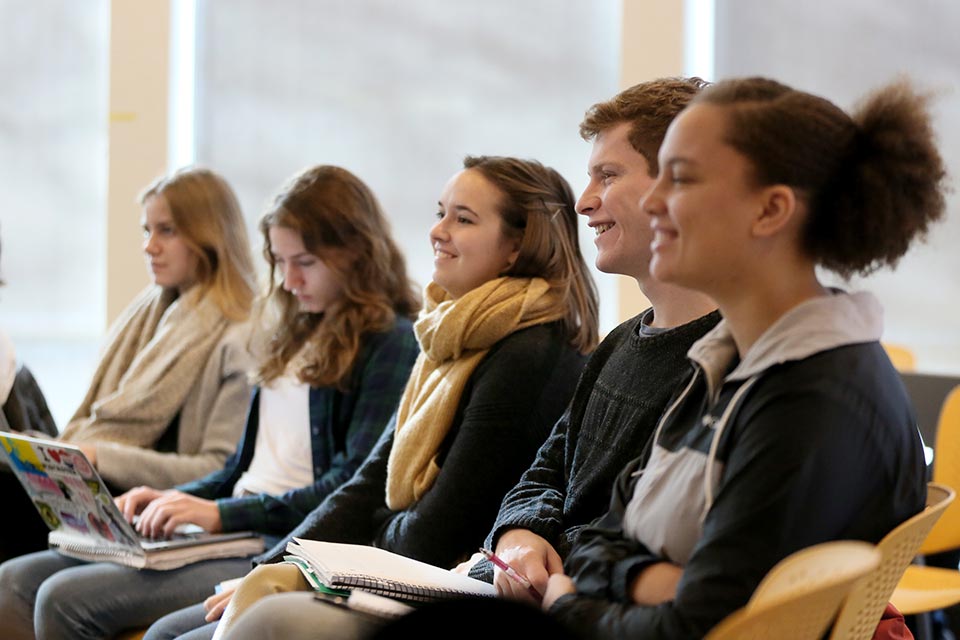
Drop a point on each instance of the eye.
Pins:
(606, 176)
(439, 215)
(303, 264)
(464, 220)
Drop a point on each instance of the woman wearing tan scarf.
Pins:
(168, 398)
(506, 323)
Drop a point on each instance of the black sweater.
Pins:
(624, 389)
(506, 411)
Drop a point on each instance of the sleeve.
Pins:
(126, 466)
(378, 390)
(218, 483)
(536, 501)
(803, 469)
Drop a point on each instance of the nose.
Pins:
(291, 277)
(151, 246)
(438, 232)
(589, 201)
(652, 202)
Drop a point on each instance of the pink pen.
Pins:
(511, 572)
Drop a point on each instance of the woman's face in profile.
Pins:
(171, 262)
(469, 246)
(703, 204)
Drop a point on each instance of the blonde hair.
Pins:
(340, 221)
(208, 218)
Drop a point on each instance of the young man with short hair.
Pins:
(629, 379)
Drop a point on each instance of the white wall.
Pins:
(841, 50)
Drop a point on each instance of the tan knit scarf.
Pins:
(454, 336)
(153, 357)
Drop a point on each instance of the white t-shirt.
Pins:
(282, 455)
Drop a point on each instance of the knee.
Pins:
(20, 581)
(60, 605)
(268, 579)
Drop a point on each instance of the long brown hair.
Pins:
(208, 218)
(340, 222)
(538, 208)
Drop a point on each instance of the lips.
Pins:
(661, 236)
(439, 253)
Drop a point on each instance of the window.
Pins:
(398, 93)
(53, 145)
(842, 51)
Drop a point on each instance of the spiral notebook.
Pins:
(85, 522)
(352, 566)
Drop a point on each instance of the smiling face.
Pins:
(305, 275)
(619, 177)
(469, 245)
(704, 206)
(171, 262)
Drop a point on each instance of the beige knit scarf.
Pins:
(454, 336)
(154, 356)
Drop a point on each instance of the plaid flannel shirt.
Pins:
(343, 428)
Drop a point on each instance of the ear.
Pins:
(778, 207)
(514, 254)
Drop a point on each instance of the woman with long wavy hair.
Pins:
(336, 346)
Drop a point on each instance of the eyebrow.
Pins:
(672, 162)
(598, 168)
(294, 256)
(459, 207)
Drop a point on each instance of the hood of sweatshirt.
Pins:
(815, 325)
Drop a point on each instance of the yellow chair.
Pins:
(800, 596)
(923, 588)
(902, 357)
(861, 613)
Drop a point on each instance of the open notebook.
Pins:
(352, 566)
(85, 522)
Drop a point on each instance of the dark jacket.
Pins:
(810, 438)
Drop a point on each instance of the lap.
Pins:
(185, 624)
(300, 615)
(113, 597)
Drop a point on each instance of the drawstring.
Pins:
(666, 415)
(719, 426)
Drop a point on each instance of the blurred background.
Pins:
(101, 97)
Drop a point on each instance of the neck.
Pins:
(754, 309)
(675, 306)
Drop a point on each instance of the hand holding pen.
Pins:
(512, 573)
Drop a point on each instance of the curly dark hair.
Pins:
(873, 181)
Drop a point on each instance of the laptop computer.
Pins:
(86, 523)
